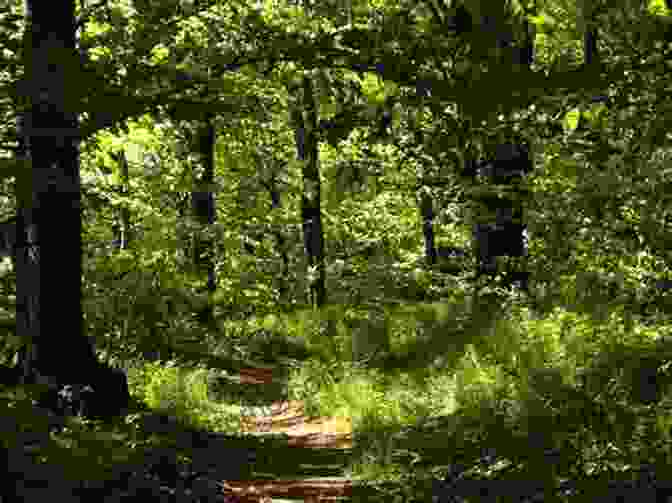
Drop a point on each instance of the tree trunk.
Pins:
(203, 207)
(49, 247)
(124, 212)
(505, 234)
(8, 239)
(308, 151)
(590, 54)
(123, 227)
(427, 216)
(280, 241)
(425, 202)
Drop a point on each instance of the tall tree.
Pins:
(307, 148)
(501, 231)
(203, 207)
(308, 152)
(425, 201)
(49, 246)
(590, 54)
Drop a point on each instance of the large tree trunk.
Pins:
(49, 233)
(504, 235)
(49, 247)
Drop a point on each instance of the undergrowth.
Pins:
(552, 398)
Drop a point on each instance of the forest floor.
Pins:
(279, 456)
(288, 418)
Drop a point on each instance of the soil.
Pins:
(288, 417)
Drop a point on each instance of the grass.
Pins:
(449, 388)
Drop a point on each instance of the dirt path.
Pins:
(288, 417)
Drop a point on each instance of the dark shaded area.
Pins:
(10, 376)
(505, 235)
(427, 216)
(451, 252)
(461, 21)
(499, 239)
(499, 229)
(305, 123)
(524, 491)
(7, 237)
(104, 396)
(510, 162)
(203, 209)
(452, 260)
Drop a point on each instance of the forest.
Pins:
(336, 250)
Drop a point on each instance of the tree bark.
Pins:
(49, 245)
(203, 207)
(427, 216)
(425, 202)
(511, 160)
(8, 239)
(307, 149)
(590, 53)
(124, 225)
(49, 232)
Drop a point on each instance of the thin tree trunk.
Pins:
(203, 207)
(8, 239)
(590, 53)
(425, 204)
(280, 241)
(123, 227)
(427, 216)
(308, 151)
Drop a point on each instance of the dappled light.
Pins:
(328, 251)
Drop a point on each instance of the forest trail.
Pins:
(288, 417)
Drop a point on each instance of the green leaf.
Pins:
(373, 88)
(571, 120)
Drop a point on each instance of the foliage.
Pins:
(434, 367)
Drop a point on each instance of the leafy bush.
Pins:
(185, 394)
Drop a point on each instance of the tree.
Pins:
(8, 238)
(590, 54)
(123, 225)
(49, 247)
(203, 207)
(427, 214)
(509, 162)
(425, 201)
(307, 149)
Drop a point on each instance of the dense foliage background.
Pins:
(568, 381)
